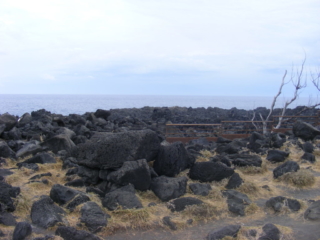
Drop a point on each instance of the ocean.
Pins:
(80, 104)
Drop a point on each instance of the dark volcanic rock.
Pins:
(258, 142)
(75, 183)
(59, 142)
(124, 197)
(6, 151)
(13, 134)
(313, 212)
(180, 204)
(202, 189)
(45, 214)
(8, 120)
(277, 155)
(244, 160)
(234, 182)
(210, 171)
(93, 216)
(305, 131)
(77, 201)
(30, 148)
(167, 188)
(308, 147)
(70, 233)
(7, 192)
(288, 166)
(61, 194)
(277, 203)
(237, 201)
(271, 232)
(221, 158)
(100, 113)
(89, 175)
(172, 159)
(167, 221)
(309, 157)
(135, 172)
(111, 150)
(7, 219)
(231, 230)
(31, 166)
(21, 231)
(228, 148)
(41, 158)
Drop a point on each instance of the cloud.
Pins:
(230, 40)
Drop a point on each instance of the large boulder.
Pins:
(288, 166)
(135, 172)
(100, 113)
(245, 160)
(257, 142)
(172, 159)
(237, 202)
(277, 155)
(305, 131)
(124, 197)
(30, 148)
(59, 142)
(93, 216)
(8, 120)
(45, 214)
(24, 119)
(7, 192)
(309, 157)
(6, 151)
(111, 150)
(231, 230)
(61, 194)
(70, 233)
(7, 218)
(167, 188)
(210, 171)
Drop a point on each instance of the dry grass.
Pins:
(252, 209)
(301, 179)
(249, 188)
(205, 156)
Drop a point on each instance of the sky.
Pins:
(157, 47)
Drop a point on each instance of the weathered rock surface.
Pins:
(135, 172)
(167, 188)
(45, 214)
(210, 171)
(111, 150)
(234, 182)
(21, 231)
(61, 194)
(172, 159)
(288, 166)
(305, 131)
(271, 232)
(202, 189)
(313, 212)
(277, 203)
(6, 151)
(277, 155)
(124, 197)
(59, 142)
(237, 202)
(8, 120)
(93, 216)
(245, 160)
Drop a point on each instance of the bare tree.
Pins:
(298, 80)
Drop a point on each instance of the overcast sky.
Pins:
(176, 47)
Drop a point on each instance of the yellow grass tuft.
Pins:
(300, 179)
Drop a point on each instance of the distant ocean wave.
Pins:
(80, 104)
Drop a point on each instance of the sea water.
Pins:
(80, 104)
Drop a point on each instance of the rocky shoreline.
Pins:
(90, 176)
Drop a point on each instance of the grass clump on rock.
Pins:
(300, 179)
